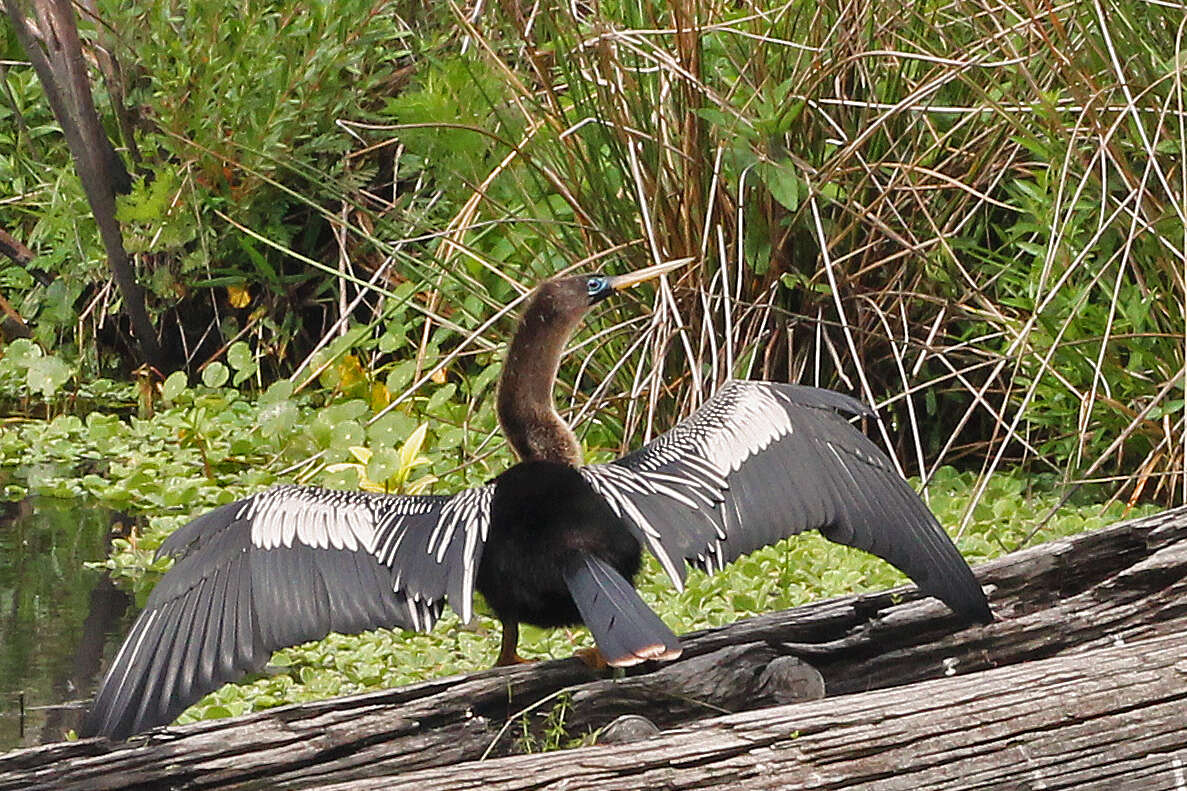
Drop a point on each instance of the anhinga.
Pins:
(548, 542)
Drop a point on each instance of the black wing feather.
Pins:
(785, 460)
(285, 566)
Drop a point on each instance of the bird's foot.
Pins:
(592, 657)
(512, 659)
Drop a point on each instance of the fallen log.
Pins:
(1121, 584)
(1110, 718)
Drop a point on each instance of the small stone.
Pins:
(787, 679)
(627, 728)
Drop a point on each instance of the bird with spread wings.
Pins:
(549, 542)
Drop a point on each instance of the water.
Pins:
(57, 618)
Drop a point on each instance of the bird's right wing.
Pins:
(279, 568)
(761, 461)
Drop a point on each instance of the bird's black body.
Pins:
(543, 517)
(549, 542)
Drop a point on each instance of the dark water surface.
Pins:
(56, 615)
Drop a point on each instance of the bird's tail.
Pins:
(626, 630)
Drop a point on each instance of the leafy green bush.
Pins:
(26, 370)
(922, 205)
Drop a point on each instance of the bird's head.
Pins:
(575, 294)
(551, 315)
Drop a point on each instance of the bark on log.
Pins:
(1111, 718)
(1125, 584)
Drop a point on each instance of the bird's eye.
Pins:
(595, 285)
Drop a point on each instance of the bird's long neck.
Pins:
(526, 409)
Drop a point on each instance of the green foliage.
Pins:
(26, 370)
(981, 248)
(450, 117)
(388, 470)
(237, 125)
(42, 205)
(544, 731)
(154, 219)
(244, 105)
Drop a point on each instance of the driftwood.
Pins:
(1111, 718)
(1109, 607)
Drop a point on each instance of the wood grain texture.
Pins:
(1081, 654)
(1107, 718)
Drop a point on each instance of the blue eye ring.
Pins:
(595, 285)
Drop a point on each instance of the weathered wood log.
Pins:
(1124, 583)
(1111, 718)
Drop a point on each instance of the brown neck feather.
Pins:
(526, 409)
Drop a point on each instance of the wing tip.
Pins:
(963, 595)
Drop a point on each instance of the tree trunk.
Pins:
(54, 48)
(1079, 676)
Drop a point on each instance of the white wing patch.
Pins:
(758, 419)
(691, 465)
(317, 518)
(471, 511)
(743, 419)
(615, 484)
(379, 525)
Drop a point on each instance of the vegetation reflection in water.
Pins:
(54, 614)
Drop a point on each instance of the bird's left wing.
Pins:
(761, 461)
(285, 566)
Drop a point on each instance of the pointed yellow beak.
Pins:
(619, 282)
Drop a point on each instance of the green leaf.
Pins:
(244, 373)
(278, 417)
(174, 385)
(443, 394)
(239, 355)
(410, 450)
(391, 429)
(383, 464)
(277, 392)
(783, 182)
(347, 433)
(46, 375)
(21, 352)
(215, 375)
(400, 376)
